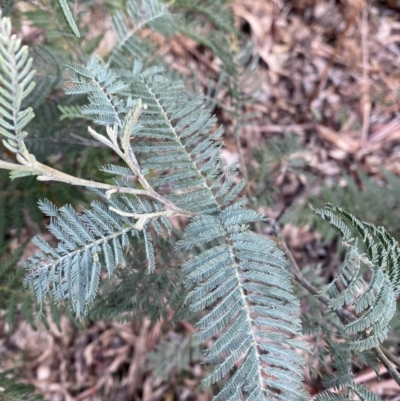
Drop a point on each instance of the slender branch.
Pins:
(342, 313)
(390, 356)
(46, 173)
(164, 213)
(29, 163)
(385, 362)
(142, 218)
(13, 166)
(129, 155)
(51, 174)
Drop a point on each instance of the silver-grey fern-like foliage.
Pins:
(359, 390)
(341, 380)
(142, 14)
(15, 85)
(375, 301)
(69, 17)
(244, 284)
(155, 126)
(72, 270)
(241, 279)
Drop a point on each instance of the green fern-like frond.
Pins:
(171, 144)
(341, 365)
(72, 112)
(173, 355)
(60, 40)
(68, 137)
(217, 12)
(72, 270)
(107, 93)
(69, 17)
(238, 76)
(11, 390)
(337, 360)
(375, 302)
(48, 64)
(130, 294)
(15, 85)
(244, 283)
(282, 154)
(211, 24)
(11, 294)
(244, 84)
(151, 14)
(341, 380)
(174, 138)
(364, 394)
(242, 277)
(330, 396)
(361, 392)
(173, 133)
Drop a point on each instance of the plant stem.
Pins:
(390, 356)
(386, 363)
(142, 218)
(46, 173)
(342, 313)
